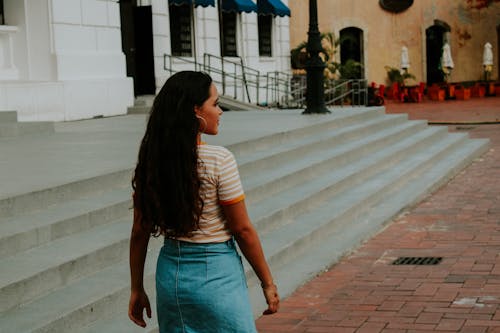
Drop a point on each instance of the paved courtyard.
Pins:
(460, 222)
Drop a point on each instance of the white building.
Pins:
(75, 59)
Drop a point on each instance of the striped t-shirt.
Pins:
(220, 185)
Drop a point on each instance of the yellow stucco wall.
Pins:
(385, 33)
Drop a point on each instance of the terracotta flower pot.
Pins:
(462, 93)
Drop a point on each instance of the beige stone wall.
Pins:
(385, 33)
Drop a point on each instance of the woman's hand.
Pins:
(272, 299)
(138, 302)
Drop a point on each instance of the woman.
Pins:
(191, 193)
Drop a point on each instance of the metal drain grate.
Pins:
(417, 261)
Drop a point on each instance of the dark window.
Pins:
(180, 30)
(2, 19)
(265, 33)
(228, 29)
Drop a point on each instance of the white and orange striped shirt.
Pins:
(220, 185)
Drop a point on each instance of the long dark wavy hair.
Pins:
(166, 183)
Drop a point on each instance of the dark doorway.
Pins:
(2, 18)
(137, 44)
(434, 44)
(498, 53)
(351, 52)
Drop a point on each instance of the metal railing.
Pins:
(346, 92)
(274, 89)
(179, 60)
(233, 74)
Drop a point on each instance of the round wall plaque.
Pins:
(395, 6)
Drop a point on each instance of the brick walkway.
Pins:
(460, 222)
(475, 110)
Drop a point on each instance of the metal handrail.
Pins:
(181, 59)
(338, 91)
(246, 76)
(282, 90)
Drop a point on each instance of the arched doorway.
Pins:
(498, 53)
(351, 50)
(435, 35)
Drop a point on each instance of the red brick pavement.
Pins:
(363, 292)
(475, 110)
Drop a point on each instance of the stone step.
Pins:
(336, 121)
(81, 302)
(34, 228)
(300, 147)
(322, 254)
(334, 211)
(8, 116)
(139, 109)
(50, 266)
(42, 199)
(289, 172)
(267, 215)
(120, 323)
(13, 129)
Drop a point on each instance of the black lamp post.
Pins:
(315, 94)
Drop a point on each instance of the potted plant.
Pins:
(329, 43)
(462, 92)
(397, 80)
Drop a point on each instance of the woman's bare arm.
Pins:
(249, 243)
(139, 301)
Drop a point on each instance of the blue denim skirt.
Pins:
(201, 288)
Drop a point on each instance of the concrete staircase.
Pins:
(10, 127)
(314, 193)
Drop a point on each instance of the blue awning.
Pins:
(203, 3)
(239, 6)
(274, 7)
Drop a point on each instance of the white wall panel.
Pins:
(113, 14)
(66, 11)
(108, 39)
(94, 12)
(49, 99)
(84, 96)
(161, 25)
(212, 46)
(160, 7)
(161, 45)
(92, 65)
(209, 13)
(74, 38)
(23, 101)
(40, 55)
(120, 96)
(86, 99)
